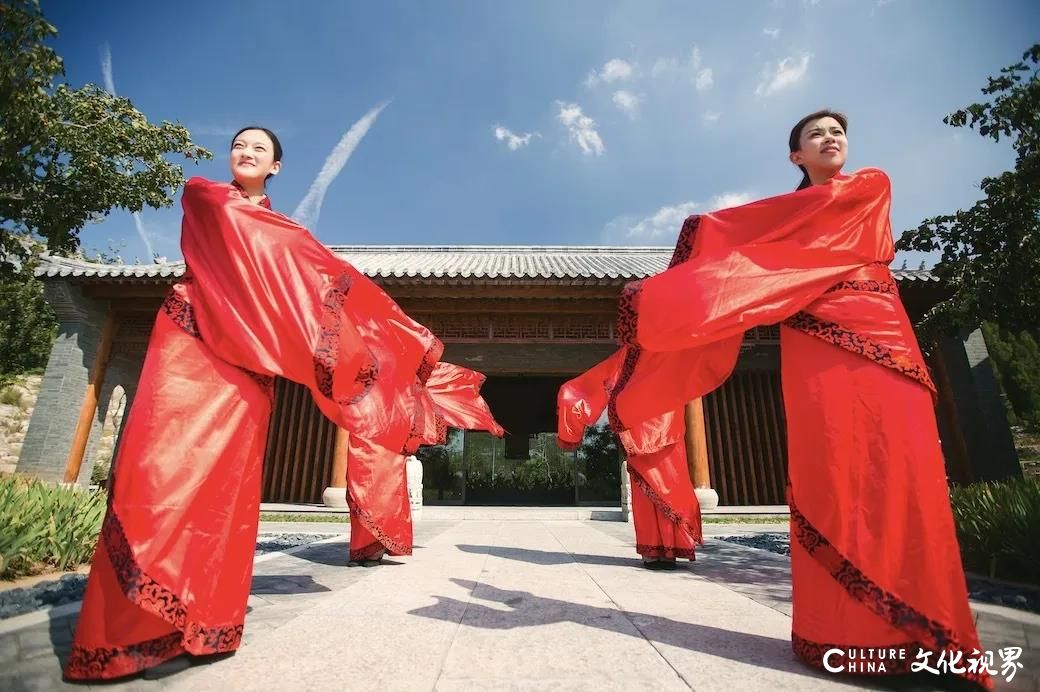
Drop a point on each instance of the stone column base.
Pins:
(626, 493)
(334, 497)
(414, 471)
(707, 497)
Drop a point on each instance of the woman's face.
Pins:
(822, 147)
(252, 158)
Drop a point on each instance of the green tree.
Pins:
(1016, 361)
(69, 156)
(27, 325)
(991, 252)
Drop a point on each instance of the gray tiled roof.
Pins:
(472, 262)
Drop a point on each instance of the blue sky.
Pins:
(617, 118)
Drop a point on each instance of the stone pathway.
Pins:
(517, 605)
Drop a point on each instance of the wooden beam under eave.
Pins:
(543, 306)
(491, 289)
(124, 291)
(135, 307)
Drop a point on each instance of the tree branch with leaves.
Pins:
(69, 156)
(991, 252)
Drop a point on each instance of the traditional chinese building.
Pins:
(529, 318)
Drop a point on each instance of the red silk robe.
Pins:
(665, 511)
(261, 298)
(377, 484)
(867, 486)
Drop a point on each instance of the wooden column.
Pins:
(697, 455)
(336, 494)
(696, 444)
(339, 460)
(88, 409)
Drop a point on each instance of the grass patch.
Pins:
(739, 519)
(46, 527)
(309, 518)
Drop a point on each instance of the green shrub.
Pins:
(99, 472)
(45, 526)
(998, 526)
(1015, 357)
(10, 396)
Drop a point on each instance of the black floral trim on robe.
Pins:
(669, 513)
(927, 634)
(155, 599)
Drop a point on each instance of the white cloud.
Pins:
(662, 227)
(513, 140)
(771, 33)
(582, 128)
(785, 73)
(309, 209)
(663, 66)
(729, 199)
(664, 224)
(711, 116)
(616, 70)
(627, 102)
(106, 69)
(704, 79)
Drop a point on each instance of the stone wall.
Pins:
(14, 419)
(49, 435)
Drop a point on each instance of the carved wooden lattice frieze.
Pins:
(530, 327)
(768, 334)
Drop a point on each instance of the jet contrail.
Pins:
(110, 87)
(309, 209)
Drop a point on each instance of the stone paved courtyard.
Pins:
(507, 605)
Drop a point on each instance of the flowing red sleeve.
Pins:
(760, 263)
(455, 392)
(735, 269)
(581, 402)
(270, 298)
(450, 398)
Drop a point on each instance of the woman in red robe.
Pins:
(260, 298)
(665, 511)
(377, 483)
(875, 560)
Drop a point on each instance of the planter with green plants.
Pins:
(46, 527)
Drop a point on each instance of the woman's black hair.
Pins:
(796, 136)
